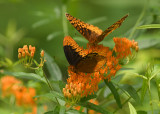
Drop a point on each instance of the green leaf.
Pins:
(84, 99)
(26, 76)
(62, 110)
(132, 92)
(72, 111)
(132, 109)
(94, 107)
(49, 112)
(149, 26)
(114, 92)
(141, 112)
(53, 68)
(144, 90)
(52, 96)
(58, 95)
(39, 71)
(61, 85)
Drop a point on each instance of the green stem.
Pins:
(50, 85)
(64, 20)
(150, 96)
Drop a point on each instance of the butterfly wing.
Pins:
(90, 32)
(72, 51)
(91, 63)
(111, 29)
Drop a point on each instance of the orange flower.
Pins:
(24, 96)
(42, 53)
(25, 52)
(123, 47)
(9, 85)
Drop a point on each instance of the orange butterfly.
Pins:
(82, 61)
(92, 33)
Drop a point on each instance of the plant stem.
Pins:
(138, 21)
(50, 85)
(64, 21)
(150, 96)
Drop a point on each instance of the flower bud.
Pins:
(42, 53)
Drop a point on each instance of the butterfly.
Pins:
(92, 33)
(82, 61)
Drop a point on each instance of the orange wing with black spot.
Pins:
(90, 32)
(111, 29)
(82, 61)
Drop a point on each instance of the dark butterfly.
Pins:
(78, 58)
(92, 33)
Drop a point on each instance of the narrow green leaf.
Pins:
(132, 92)
(141, 112)
(61, 85)
(94, 107)
(144, 89)
(49, 112)
(53, 68)
(58, 95)
(56, 110)
(52, 95)
(26, 75)
(62, 110)
(114, 92)
(132, 109)
(72, 111)
(149, 26)
(84, 99)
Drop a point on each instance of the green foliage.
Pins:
(132, 109)
(114, 92)
(137, 84)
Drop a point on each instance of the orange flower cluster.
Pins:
(80, 84)
(23, 95)
(27, 54)
(123, 47)
(23, 52)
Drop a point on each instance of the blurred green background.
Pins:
(42, 23)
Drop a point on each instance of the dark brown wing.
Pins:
(111, 29)
(90, 32)
(72, 51)
(91, 63)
